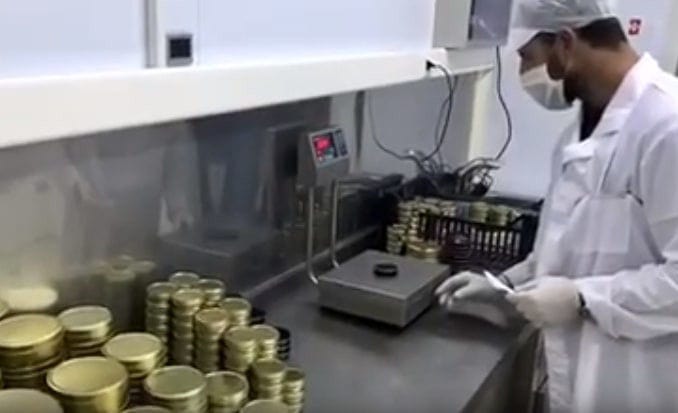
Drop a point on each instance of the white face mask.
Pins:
(547, 92)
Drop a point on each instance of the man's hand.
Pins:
(466, 286)
(554, 301)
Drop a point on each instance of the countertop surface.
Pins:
(437, 364)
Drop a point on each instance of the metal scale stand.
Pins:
(373, 285)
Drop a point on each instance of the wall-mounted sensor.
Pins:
(172, 33)
(179, 49)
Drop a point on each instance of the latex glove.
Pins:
(552, 301)
(466, 286)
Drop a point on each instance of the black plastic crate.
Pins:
(472, 245)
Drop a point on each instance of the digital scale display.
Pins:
(324, 148)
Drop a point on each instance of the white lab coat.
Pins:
(124, 177)
(611, 223)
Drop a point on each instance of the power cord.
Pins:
(504, 106)
(447, 103)
(447, 106)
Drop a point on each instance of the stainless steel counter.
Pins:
(440, 363)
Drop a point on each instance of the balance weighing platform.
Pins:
(398, 299)
(373, 285)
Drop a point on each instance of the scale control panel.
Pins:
(323, 158)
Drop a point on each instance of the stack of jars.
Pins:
(214, 291)
(210, 325)
(240, 349)
(239, 311)
(158, 305)
(90, 384)
(180, 389)
(87, 328)
(30, 345)
(140, 354)
(227, 391)
(266, 377)
(185, 305)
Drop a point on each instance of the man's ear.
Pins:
(567, 38)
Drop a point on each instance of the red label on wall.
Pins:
(635, 27)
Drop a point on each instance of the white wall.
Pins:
(527, 162)
(405, 117)
(42, 37)
(255, 30)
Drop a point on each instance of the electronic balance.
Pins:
(373, 285)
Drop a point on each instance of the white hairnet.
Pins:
(555, 15)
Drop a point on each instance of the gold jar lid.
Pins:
(175, 383)
(88, 377)
(212, 320)
(146, 409)
(27, 400)
(266, 334)
(294, 380)
(86, 320)
(30, 299)
(271, 370)
(4, 309)
(188, 298)
(212, 286)
(160, 291)
(184, 279)
(29, 330)
(121, 276)
(242, 338)
(122, 261)
(143, 267)
(139, 352)
(236, 305)
(227, 388)
(265, 406)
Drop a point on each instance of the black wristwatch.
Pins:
(583, 309)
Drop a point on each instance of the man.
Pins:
(603, 278)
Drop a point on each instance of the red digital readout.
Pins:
(322, 143)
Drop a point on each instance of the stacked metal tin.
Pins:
(143, 268)
(395, 238)
(214, 291)
(27, 401)
(180, 389)
(266, 378)
(284, 343)
(184, 279)
(209, 326)
(147, 409)
(140, 354)
(267, 341)
(4, 309)
(90, 384)
(30, 345)
(227, 391)
(240, 348)
(479, 212)
(186, 302)
(158, 309)
(498, 215)
(87, 328)
(265, 406)
(239, 311)
(293, 388)
(426, 251)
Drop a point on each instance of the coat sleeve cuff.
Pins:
(596, 294)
